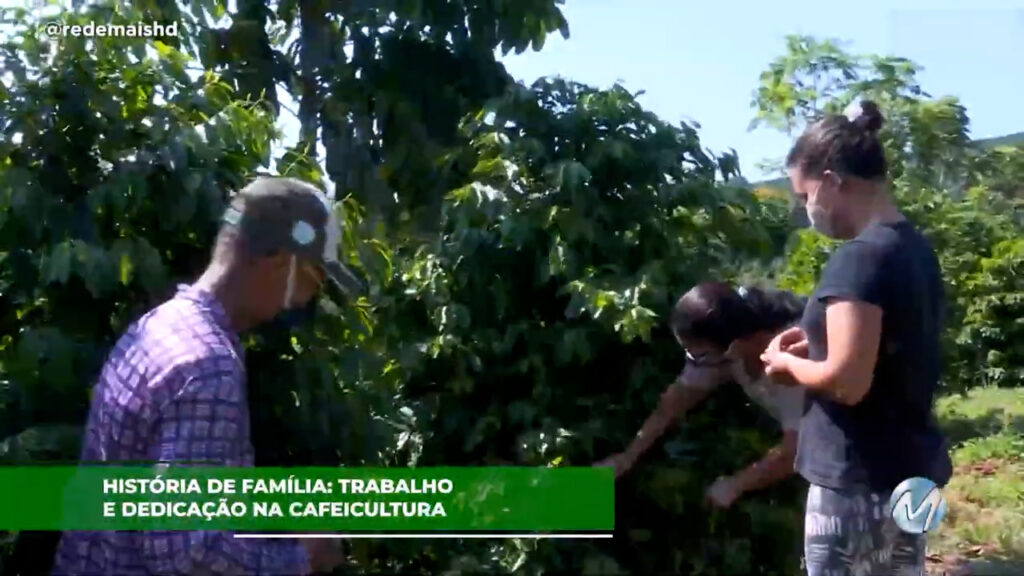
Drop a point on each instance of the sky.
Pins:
(700, 61)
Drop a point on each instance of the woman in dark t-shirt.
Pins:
(872, 331)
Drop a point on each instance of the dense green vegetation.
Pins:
(525, 243)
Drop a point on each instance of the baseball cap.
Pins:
(276, 214)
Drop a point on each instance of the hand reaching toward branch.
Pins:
(620, 462)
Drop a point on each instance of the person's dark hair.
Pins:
(845, 146)
(717, 313)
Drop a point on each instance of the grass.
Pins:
(983, 531)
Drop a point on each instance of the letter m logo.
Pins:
(917, 520)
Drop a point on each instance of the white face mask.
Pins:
(290, 285)
(819, 217)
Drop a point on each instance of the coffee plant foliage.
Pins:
(115, 165)
(531, 330)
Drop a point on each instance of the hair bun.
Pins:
(865, 115)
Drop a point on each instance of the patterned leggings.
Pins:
(850, 533)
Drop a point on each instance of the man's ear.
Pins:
(280, 260)
(272, 263)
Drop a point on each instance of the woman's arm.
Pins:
(674, 402)
(853, 288)
(692, 387)
(775, 466)
(853, 332)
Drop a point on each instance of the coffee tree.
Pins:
(381, 86)
(541, 310)
(115, 168)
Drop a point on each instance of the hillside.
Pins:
(1008, 140)
(1016, 139)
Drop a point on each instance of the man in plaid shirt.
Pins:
(173, 389)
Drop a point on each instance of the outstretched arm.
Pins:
(692, 386)
(674, 402)
(775, 466)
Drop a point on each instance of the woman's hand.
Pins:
(620, 463)
(723, 492)
(792, 341)
(781, 350)
(776, 365)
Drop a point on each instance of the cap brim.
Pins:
(344, 279)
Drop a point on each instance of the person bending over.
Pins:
(723, 331)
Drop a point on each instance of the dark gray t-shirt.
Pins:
(891, 435)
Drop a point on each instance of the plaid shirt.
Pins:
(173, 390)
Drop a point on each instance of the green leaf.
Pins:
(58, 265)
(122, 254)
(572, 176)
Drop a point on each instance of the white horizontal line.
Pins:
(433, 536)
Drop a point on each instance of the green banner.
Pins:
(501, 499)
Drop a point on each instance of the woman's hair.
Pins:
(843, 145)
(717, 313)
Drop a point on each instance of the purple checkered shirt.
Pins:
(173, 390)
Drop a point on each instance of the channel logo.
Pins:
(917, 506)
